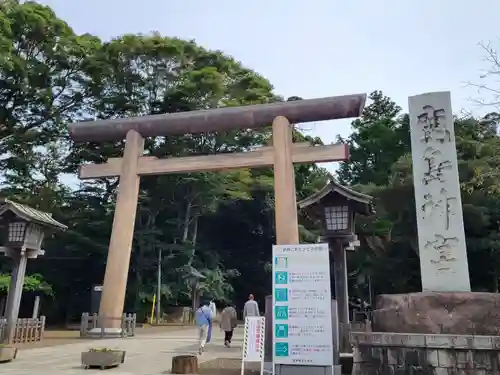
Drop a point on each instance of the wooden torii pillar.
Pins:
(133, 164)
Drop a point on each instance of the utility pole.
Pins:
(158, 288)
(370, 291)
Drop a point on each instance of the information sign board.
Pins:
(302, 319)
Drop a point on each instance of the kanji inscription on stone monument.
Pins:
(441, 237)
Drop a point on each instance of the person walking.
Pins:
(203, 318)
(251, 307)
(228, 322)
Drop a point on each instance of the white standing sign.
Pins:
(302, 319)
(253, 342)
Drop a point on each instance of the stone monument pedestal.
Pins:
(431, 333)
(463, 313)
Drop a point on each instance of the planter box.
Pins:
(7, 353)
(103, 359)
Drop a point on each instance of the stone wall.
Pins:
(425, 354)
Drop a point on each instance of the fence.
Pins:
(95, 323)
(180, 315)
(361, 323)
(26, 330)
(187, 315)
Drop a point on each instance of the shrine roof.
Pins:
(30, 214)
(363, 202)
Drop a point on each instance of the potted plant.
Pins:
(7, 353)
(102, 358)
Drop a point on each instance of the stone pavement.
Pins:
(146, 354)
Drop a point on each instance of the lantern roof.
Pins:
(30, 214)
(362, 203)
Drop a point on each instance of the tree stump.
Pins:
(185, 364)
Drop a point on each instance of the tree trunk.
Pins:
(187, 219)
(138, 285)
(185, 364)
(2, 306)
(193, 240)
(495, 281)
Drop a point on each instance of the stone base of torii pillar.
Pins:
(107, 332)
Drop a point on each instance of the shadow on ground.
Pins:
(228, 366)
(63, 337)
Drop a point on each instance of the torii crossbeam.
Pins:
(133, 164)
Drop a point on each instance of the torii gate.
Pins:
(281, 155)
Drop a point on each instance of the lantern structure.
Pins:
(336, 207)
(22, 229)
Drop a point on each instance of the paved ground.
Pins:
(63, 337)
(147, 354)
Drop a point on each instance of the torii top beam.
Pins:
(220, 119)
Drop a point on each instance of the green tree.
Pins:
(140, 75)
(43, 85)
(389, 238)
(380, 138)
(32, 283)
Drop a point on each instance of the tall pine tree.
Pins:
(379, 139)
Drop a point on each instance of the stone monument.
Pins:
(446, 329)
(446, 304)
(441, 236)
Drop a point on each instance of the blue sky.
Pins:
(320, 48)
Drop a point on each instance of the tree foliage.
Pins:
(32, 283)
(218, 224)
(380, 138)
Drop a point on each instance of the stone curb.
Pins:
(417, 340)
